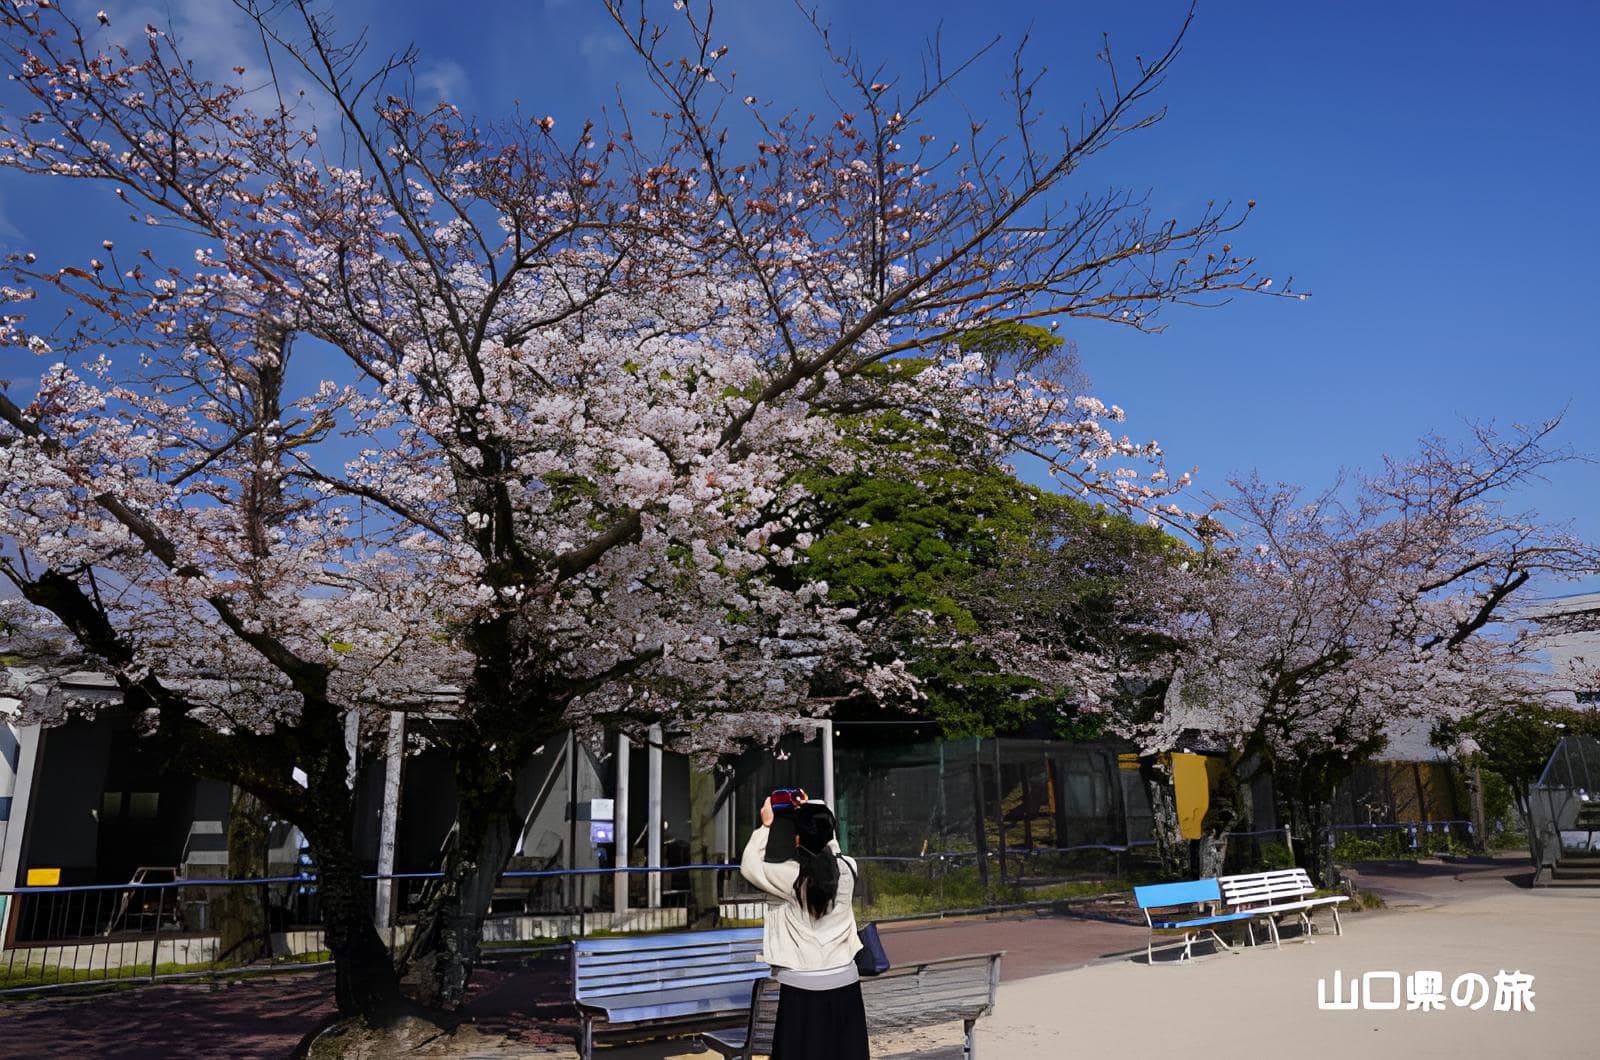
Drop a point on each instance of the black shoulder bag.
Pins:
(870, 958)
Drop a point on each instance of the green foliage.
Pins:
(1511, 839)
(1516, 742)
(1496, 797)
(1276, 856)
(1394, 844)
(915, 538)
(916, 519)
(1029, 344)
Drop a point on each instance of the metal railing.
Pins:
(57, 936)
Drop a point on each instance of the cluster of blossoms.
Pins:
(469, 396)
(1326, 621)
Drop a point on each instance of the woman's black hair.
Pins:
(818, 880)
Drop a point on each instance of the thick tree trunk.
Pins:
(1226, 807)
(449, 937)
(1310, 819)
(365, 983)
(490, 810)
(242, 911)
(1210, 852)
(1172, 850)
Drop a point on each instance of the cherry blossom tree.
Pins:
(1322, 619)
(369, 400)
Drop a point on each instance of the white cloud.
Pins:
(445, 81)
(10, 234)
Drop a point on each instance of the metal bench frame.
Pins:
(1272, 894)
(680, 981)
(961, 988)
(1177, 905)
(755, 1038)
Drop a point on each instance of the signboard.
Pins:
(601, 832)
(44, 877)
(593, 810)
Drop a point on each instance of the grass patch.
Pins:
(129, 974)
(1508, 841)
(897, 894)
(1394, 844)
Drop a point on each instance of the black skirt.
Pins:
(820, 1024)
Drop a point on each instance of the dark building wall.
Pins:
(64, 812)
(105, 804)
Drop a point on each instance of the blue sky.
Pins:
(1425, 170)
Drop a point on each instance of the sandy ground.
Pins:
(1264, 1002)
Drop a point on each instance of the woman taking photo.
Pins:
(809, 937)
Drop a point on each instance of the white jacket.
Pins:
(789, 937)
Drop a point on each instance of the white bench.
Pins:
(907, 996)
(655, 984)
(1270, 895)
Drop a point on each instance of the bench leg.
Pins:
(1338, 928)
(586, 1038)
(970, 1049)
(1272, 925)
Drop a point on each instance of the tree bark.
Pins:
(1172, 850)
(491, 805)
(365, 983)
(1226, 807)
(242, 911)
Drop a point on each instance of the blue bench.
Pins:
(1187, 907)
(657, 984)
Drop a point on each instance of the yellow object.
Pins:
(44, 877)
(1191, 791)
(1130, 761)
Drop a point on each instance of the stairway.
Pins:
(1579, 858)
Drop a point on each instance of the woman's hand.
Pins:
(766, 813)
